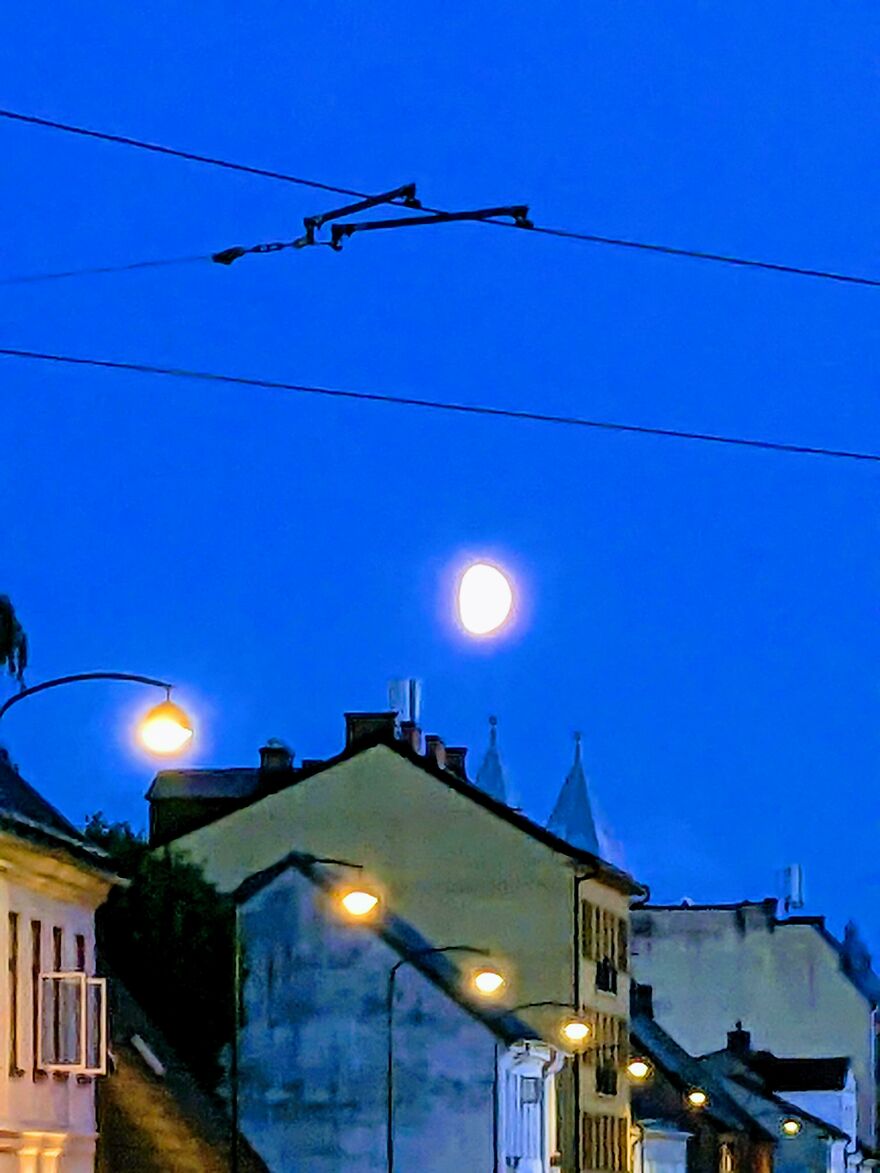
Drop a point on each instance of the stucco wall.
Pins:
(710, 968)
(313, 1048)
(456, 871)
(51, 1104)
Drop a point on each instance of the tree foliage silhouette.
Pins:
(13, 641)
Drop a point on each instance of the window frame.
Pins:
(85, 983)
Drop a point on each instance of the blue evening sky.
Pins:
(706, 616)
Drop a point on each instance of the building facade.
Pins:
(53, 1031)
(458, 865)
(800, 992)
(468, 1087)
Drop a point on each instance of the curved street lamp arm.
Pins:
(83, 676)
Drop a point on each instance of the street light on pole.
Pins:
(359, 903)
(486, 981)
(165, 729)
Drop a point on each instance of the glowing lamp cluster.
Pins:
(166, 729)
(485, 599)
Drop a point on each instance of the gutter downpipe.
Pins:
(576, 1002)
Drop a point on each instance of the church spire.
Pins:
(490, 776)
(572, 818)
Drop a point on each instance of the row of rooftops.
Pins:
(184, 800)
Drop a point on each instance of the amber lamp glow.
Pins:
(487, 982)
(359, 902)
(166, 729)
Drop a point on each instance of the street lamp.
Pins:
(165, 729)
(486, 981)
(359, 903)
(573, 1028)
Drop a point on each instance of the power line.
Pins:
(441, 405)
(559, 233)
(33, 278)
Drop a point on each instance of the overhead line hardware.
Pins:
(405, 196)
(518, 213)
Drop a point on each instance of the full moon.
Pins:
(485, 599)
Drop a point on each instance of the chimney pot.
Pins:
(370, 726)
(411, 734)
(739, 1041)
(435, 750)
(642, 1000)
(275, 755)
(455, 760)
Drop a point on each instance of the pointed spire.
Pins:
(490, 776)
(572, 818)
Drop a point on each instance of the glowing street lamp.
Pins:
(166, 729)
(485, 599)
(359, 903)
(697, 1098)
(638, 1069)
(790, 1126)
(485, 981)
(573, 1028)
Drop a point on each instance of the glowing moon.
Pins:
(485, 599)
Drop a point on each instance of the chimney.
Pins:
(455, 760)
(739, 1041)
(641, 1000)
(374, 727)
(435, 750)
(411, 734)
(275, 755)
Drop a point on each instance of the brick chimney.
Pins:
(369, 727)
(455, 760)
(435, 750)
(275, 755)
(641, 1000)
(411, 734)
(739, 1041)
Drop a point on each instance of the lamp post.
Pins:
(486, 982)
(574, 1029)
(357, 902)
(164, 730)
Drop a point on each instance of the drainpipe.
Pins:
(576, 1002)
(236, 1019)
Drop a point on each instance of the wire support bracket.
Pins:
(404, 195)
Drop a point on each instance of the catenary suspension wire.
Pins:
(442, 405)
(559, 233)
(33, 278)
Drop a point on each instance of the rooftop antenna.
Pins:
(793, 887)
(405, 698)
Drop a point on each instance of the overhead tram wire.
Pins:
(96, 270)
(559, 233)
(443, 405)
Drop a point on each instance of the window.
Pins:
(610, 1033)
(72, 1023)
(606, 976)
(36, 970)
(80, 952)
(605, 1143)
(14, 1069)
(605, 940)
